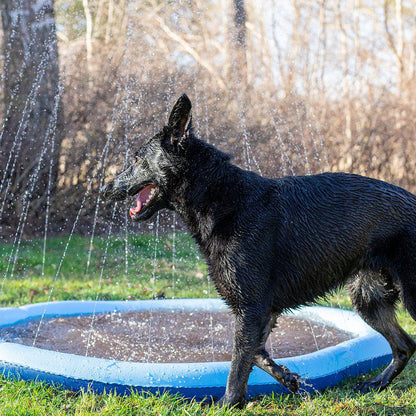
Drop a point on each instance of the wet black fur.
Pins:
(275, 244)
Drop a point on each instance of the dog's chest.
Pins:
(222, 271)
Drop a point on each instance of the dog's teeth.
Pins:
(150, 196)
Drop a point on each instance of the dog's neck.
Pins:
(210, 194)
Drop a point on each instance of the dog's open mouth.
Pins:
(143, 200)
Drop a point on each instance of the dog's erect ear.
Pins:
(180, 119)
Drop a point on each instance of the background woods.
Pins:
(288, 87)
(32, 127)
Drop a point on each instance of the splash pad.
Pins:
(366, 351)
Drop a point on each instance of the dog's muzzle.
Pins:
(114, 192)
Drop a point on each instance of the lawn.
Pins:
(145, 267)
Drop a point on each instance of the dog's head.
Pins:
(156, 167)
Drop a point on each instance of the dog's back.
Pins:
(330, 226)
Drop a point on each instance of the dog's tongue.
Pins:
(141, 199)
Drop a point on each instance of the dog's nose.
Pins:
(113, 191)
(106, 190)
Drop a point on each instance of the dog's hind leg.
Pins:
(281, 373)
(405, 271)
(374, 296)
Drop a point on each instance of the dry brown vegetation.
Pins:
(311, 86)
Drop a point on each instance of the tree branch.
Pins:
(189, 49)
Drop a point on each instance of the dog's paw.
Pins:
(292, 381)
(222, 402)
(369, 386)
(231, 402)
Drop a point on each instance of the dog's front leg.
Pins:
(249, 327)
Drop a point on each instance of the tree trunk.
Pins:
(239, 43)
(33, 120)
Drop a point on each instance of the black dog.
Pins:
(275, 244)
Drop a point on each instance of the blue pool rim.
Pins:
(366, 351)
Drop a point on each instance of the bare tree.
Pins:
(238, 41)
(32, 127)
(396, 43)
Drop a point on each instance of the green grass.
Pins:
(149, 273)
(151, 267)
